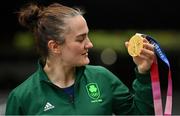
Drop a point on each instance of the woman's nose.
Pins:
(88, 44)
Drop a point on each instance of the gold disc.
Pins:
(135, 45)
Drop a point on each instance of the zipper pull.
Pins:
(71, 99)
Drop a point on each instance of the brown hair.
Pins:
(47, 23)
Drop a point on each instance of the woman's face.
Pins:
(74, 51)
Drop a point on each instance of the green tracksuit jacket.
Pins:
(96, 92)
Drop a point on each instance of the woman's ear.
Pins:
(53, 46)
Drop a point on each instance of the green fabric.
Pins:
(96, 91)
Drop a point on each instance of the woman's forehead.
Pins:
(77, 25)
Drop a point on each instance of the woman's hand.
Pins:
(146, 57)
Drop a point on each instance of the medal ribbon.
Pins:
(156, 84)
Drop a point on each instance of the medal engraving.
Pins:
(135, 45)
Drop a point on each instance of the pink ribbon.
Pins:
(157, 91)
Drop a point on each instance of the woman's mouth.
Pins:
(86, 53)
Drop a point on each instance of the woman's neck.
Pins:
(61, 75)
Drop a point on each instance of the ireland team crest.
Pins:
(93, 90)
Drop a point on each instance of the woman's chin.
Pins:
(85, 62)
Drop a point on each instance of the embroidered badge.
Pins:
(93, 92)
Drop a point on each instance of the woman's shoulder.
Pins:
(25, 87)
(96, 68)
(100, 70)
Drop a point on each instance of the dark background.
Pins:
(103, 14)
(107, 14)
(100, 14)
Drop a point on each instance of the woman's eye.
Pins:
(81, 39)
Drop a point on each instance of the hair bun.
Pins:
(29, 15)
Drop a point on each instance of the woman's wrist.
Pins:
(142, 71)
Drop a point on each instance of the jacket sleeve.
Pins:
(137, 102)
(13, 105)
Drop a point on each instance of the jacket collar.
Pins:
(43, 76)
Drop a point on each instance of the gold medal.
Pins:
(135, 45)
